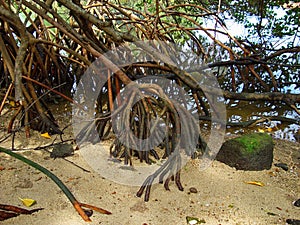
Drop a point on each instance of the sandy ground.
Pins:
(223, 197)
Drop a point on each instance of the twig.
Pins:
(5, 97)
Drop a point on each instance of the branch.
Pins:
(282, 51)
(19, 67)
(271, 96)
(105, 26)
(253, 61)
(251, 123)
(8, 16)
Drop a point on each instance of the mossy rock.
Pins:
(248, 152)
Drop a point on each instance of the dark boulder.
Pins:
(248, 152)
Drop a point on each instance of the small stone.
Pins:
(193, 190)
(62, 150)
(24, 184)
(88, 212)
(139, 206)
(283, 166)
(297, 203)
(293, 222)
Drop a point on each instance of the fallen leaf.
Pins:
(12, 103)
(27, 201)
(255, 183)
(260, 130)
(46, 135)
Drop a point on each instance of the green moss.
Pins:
(252, 142)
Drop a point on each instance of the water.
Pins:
(269, 117)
